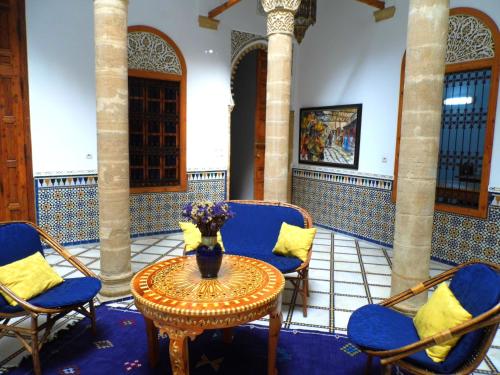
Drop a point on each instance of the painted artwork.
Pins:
(330, 136)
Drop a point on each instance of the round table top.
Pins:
(175, 286)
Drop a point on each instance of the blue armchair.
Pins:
(385, 333)
(22, 239)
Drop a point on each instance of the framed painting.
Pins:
(330, 136)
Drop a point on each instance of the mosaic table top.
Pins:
(175, 286)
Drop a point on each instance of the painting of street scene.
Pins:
(330, 135)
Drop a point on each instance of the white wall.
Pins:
(61, 85)
(348, 58)
(62, 77)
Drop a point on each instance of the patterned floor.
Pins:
(344, 274)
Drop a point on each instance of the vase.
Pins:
(209, 257)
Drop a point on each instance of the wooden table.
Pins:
(176, 301)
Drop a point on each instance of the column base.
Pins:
(116, 286)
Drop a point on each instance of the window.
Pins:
(469, 106)
(157, 92)
(154, 141)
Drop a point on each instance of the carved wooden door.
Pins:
(16, 180)
(260, 126)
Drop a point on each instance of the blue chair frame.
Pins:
(29, 337)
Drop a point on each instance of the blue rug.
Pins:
(120, 348)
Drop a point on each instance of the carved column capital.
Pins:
(280, 15)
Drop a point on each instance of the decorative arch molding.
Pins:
(151, 50)
(152, 55)
(470, 36)
(252, 46)
(242, 44)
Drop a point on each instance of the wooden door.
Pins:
(16, 178)
(260, 126)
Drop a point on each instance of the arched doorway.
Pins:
(249, 76)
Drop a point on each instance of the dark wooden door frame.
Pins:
(260, 126)
(19, 67)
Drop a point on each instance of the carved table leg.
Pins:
(227, 335)
(179, 357)
(152, 333)
(276, 318)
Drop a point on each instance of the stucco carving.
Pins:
(469, 39)
(280, 15)
(147, 51)
(281, 22)
(286, 5)
(241, 40)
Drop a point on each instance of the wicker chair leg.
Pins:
(92, 317)
(35, 346)
(387, 370)
(368, 365)
(304, 292)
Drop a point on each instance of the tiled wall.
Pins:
(362, 206)
(67, 206)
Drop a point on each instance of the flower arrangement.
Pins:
(208, 216)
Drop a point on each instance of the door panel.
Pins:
(16, 182)
(260, 126)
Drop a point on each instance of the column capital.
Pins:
(285, 5)
(112, 2)
(280, 15)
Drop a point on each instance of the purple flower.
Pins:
(209, 217)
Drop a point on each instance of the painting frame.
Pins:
(330, 135)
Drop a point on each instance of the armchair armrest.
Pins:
(426, 285)
(65, 254)
(28, 307)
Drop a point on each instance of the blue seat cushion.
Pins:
(377, 327)
(75, 291)
(282, 263)
(254, 230)
(18, 241)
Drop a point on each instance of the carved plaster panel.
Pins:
(469, 39)
(280, 21)
(147, 51)
(286, 5)
(241, 40)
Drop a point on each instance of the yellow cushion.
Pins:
(441, 312)
(28, 277)
(294, 241)
(192, 236)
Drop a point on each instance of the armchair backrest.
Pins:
(477, 288)
(257, 224)
(17, 241)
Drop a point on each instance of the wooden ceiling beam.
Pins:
(222, 8)
(374, 3)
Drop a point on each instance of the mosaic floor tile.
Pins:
(349, 289)
(341, 319)
(349, 303)
(346, 266)
(351, 277)
(346, 257)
